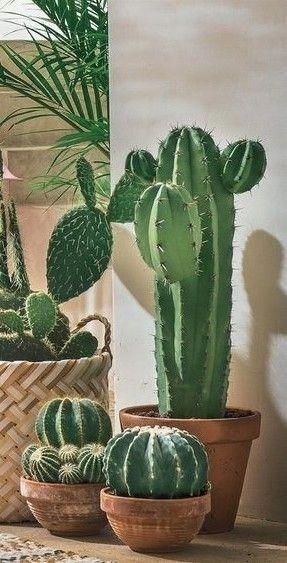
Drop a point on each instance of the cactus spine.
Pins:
(72, 421)
(193, 311)
(90, 462)
(157, 462)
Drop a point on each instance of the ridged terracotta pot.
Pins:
(228, 442)
(65, 510)
(155, 525)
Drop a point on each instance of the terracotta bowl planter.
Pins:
(155, 525)
(228, 442)
(65, 510)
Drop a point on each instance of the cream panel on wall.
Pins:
(221, 65)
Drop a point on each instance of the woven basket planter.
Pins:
(24, 387)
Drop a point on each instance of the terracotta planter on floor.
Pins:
(155, 525)
(228, 442)
(65, 510)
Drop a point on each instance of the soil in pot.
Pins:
(65, 510)
(228, 442)
(155, 525)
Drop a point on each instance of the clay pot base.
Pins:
(65, 510)
(155, 525)
(228, 441)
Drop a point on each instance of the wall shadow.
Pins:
(263, 261)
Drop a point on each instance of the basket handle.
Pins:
(107, 325)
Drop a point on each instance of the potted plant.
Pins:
(62, 475)
(157, 493)
(184, 225)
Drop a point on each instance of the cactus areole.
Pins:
(184, 225)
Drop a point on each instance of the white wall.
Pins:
(11, 26)
(218, 64)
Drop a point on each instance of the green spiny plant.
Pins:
(193, 269)
(90, 462)
(157, 462)
(70, 474)
(44, 464)
(72, 421)
(25, 459)
(68, 453)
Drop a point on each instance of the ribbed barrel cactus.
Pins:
(70, 474)
(44, 464)
(157, 462)
(184, 227)
(90, 462)
(72, 421)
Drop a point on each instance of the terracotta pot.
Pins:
(228, 442)
(155, 525)
(65, 510)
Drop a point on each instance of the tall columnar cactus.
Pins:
(193, 291)
(157, 462)
(72, 421)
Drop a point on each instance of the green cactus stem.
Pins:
(141, 163)
(17, 347)
(72, 421)
(20, 280)
(60, 333)
(10, 321)
(45, 464)
(41, 313)
(4, 273)
(86, 181)
(10, 300)
(79, 252)
(25, 459)
(157, 462)
(243, 165)
(90, 462)
(70, 474)
(68, 453)
(80, 345)
(193, 305)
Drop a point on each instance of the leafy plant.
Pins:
(184, 227)
(64, 72)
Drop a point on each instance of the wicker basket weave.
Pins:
(24, 387)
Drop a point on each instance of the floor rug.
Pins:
(15, 549)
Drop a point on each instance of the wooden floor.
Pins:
(251, 541)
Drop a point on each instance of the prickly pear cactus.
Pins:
(80, 345)
(72, 421)
(90, 462)
(41, 313)
(17, 347)
(70, 474)
(44, 464)
(10, 321)
(157, 462)
(193, 304)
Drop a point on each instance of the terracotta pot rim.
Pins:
(107, 492)
(60, 486)
(133, 410)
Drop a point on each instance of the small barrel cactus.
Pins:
(25, 459)
(68, 453)
(90, 462)
(70, 474)
(157, 462)
(44, 464)
(72, 421)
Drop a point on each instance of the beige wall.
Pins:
(219, 64)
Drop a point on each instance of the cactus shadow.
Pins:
(254, 382)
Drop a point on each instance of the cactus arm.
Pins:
(80, 345)
(243, 165)
(20, 280)
(12, 322)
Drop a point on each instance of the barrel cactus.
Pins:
(187, 240)
(25, 459)
(68, 453)
(44, 464)
(159, 462)
(70, 474)
(72, 421)
(90, 462)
